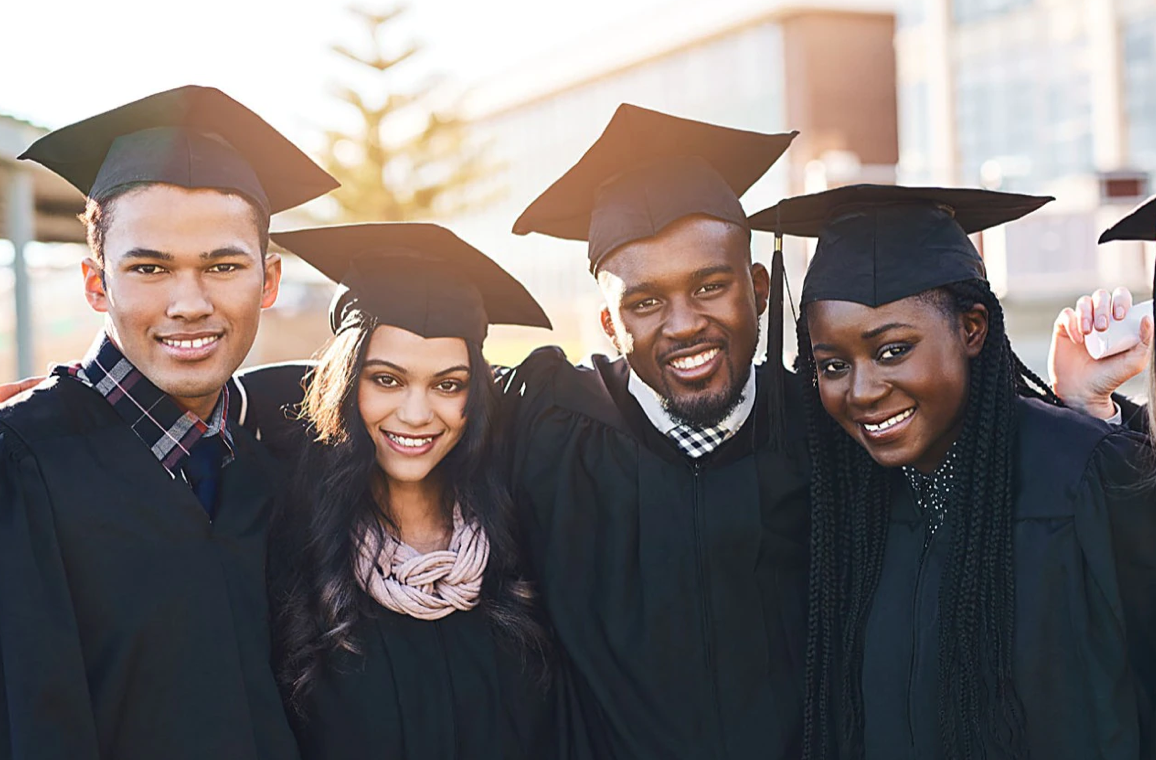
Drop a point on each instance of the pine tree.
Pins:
(410, 154)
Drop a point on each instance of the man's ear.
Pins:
(94, 285)
(975, 327)
(761, 279)
(272, 284)
(608, 328)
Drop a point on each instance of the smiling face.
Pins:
(896, 377)
(683, 308)
(182, 282)
(411, 395)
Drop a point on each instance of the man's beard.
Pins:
(709, 410)
(703, 410)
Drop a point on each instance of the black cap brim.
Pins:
(1139, 224)
(973, 209)
(635, 138)
(78, 151)
(334, 251)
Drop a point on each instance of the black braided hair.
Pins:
(978, 707)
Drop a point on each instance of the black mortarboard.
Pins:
(419, 277)
(1139, 224)
(649, 169)
(882, 243)
(194, 137)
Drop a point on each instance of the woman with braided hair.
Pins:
(403, 627)
(977, 586)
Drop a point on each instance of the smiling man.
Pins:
(662, 494)
(665, 510)
(133, 618)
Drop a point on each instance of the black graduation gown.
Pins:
(1085, 572)
(430, 690)
(130, 627)
(449, 689)
(677, 588)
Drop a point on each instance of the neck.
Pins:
(416, 508)
(201, 406)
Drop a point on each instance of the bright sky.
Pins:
(61, 60)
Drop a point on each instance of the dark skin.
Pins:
(896, 377)
(683, 308)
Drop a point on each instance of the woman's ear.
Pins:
(974, 323)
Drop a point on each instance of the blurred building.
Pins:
(35, 205)
(1054, 97)
(826, 70)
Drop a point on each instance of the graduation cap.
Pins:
(416, 276)
(882, 243)
(647, 170)
(194, 137)
(1139, 224)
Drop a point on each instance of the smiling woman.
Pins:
(404, 627)
(972, 542)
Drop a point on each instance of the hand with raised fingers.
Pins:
(1085, 383)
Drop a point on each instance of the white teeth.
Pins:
(889, 422)
(194, 343)
(690, 362)
(412, 443)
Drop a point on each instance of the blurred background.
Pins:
(462, 112)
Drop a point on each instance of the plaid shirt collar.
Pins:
(165, 428)
(695, 442)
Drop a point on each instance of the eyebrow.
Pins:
(698, 274)
(403, 371)
(868, 335)
(219, 253)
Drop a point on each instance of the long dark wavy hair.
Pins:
(318, 597)
(977, 700)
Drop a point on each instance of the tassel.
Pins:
(775, 348)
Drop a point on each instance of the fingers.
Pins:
(1068, 324)
(1121, 302)
(1084, 314)
(1101, 309)
(1146, 331)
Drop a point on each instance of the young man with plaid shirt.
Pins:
(133, 616)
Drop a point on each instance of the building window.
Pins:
(968, 11)
(1139, 38)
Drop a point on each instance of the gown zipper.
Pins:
(704, 606)
(914, 661)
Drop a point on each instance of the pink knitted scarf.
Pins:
(427, 586)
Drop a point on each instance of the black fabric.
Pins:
(1085, 573)
(882, 243)
(431, 690)
(1132, 415)
(677, 588)
(130, 626)
(194, 137)
(647, 170)
(420, 277)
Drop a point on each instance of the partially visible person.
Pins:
(1087, 384)
(983, 561)
(133, 614)
(405, 627)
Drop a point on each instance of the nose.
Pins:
(868, 386)
(189, 299)
(415, 410)
(683, 321)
